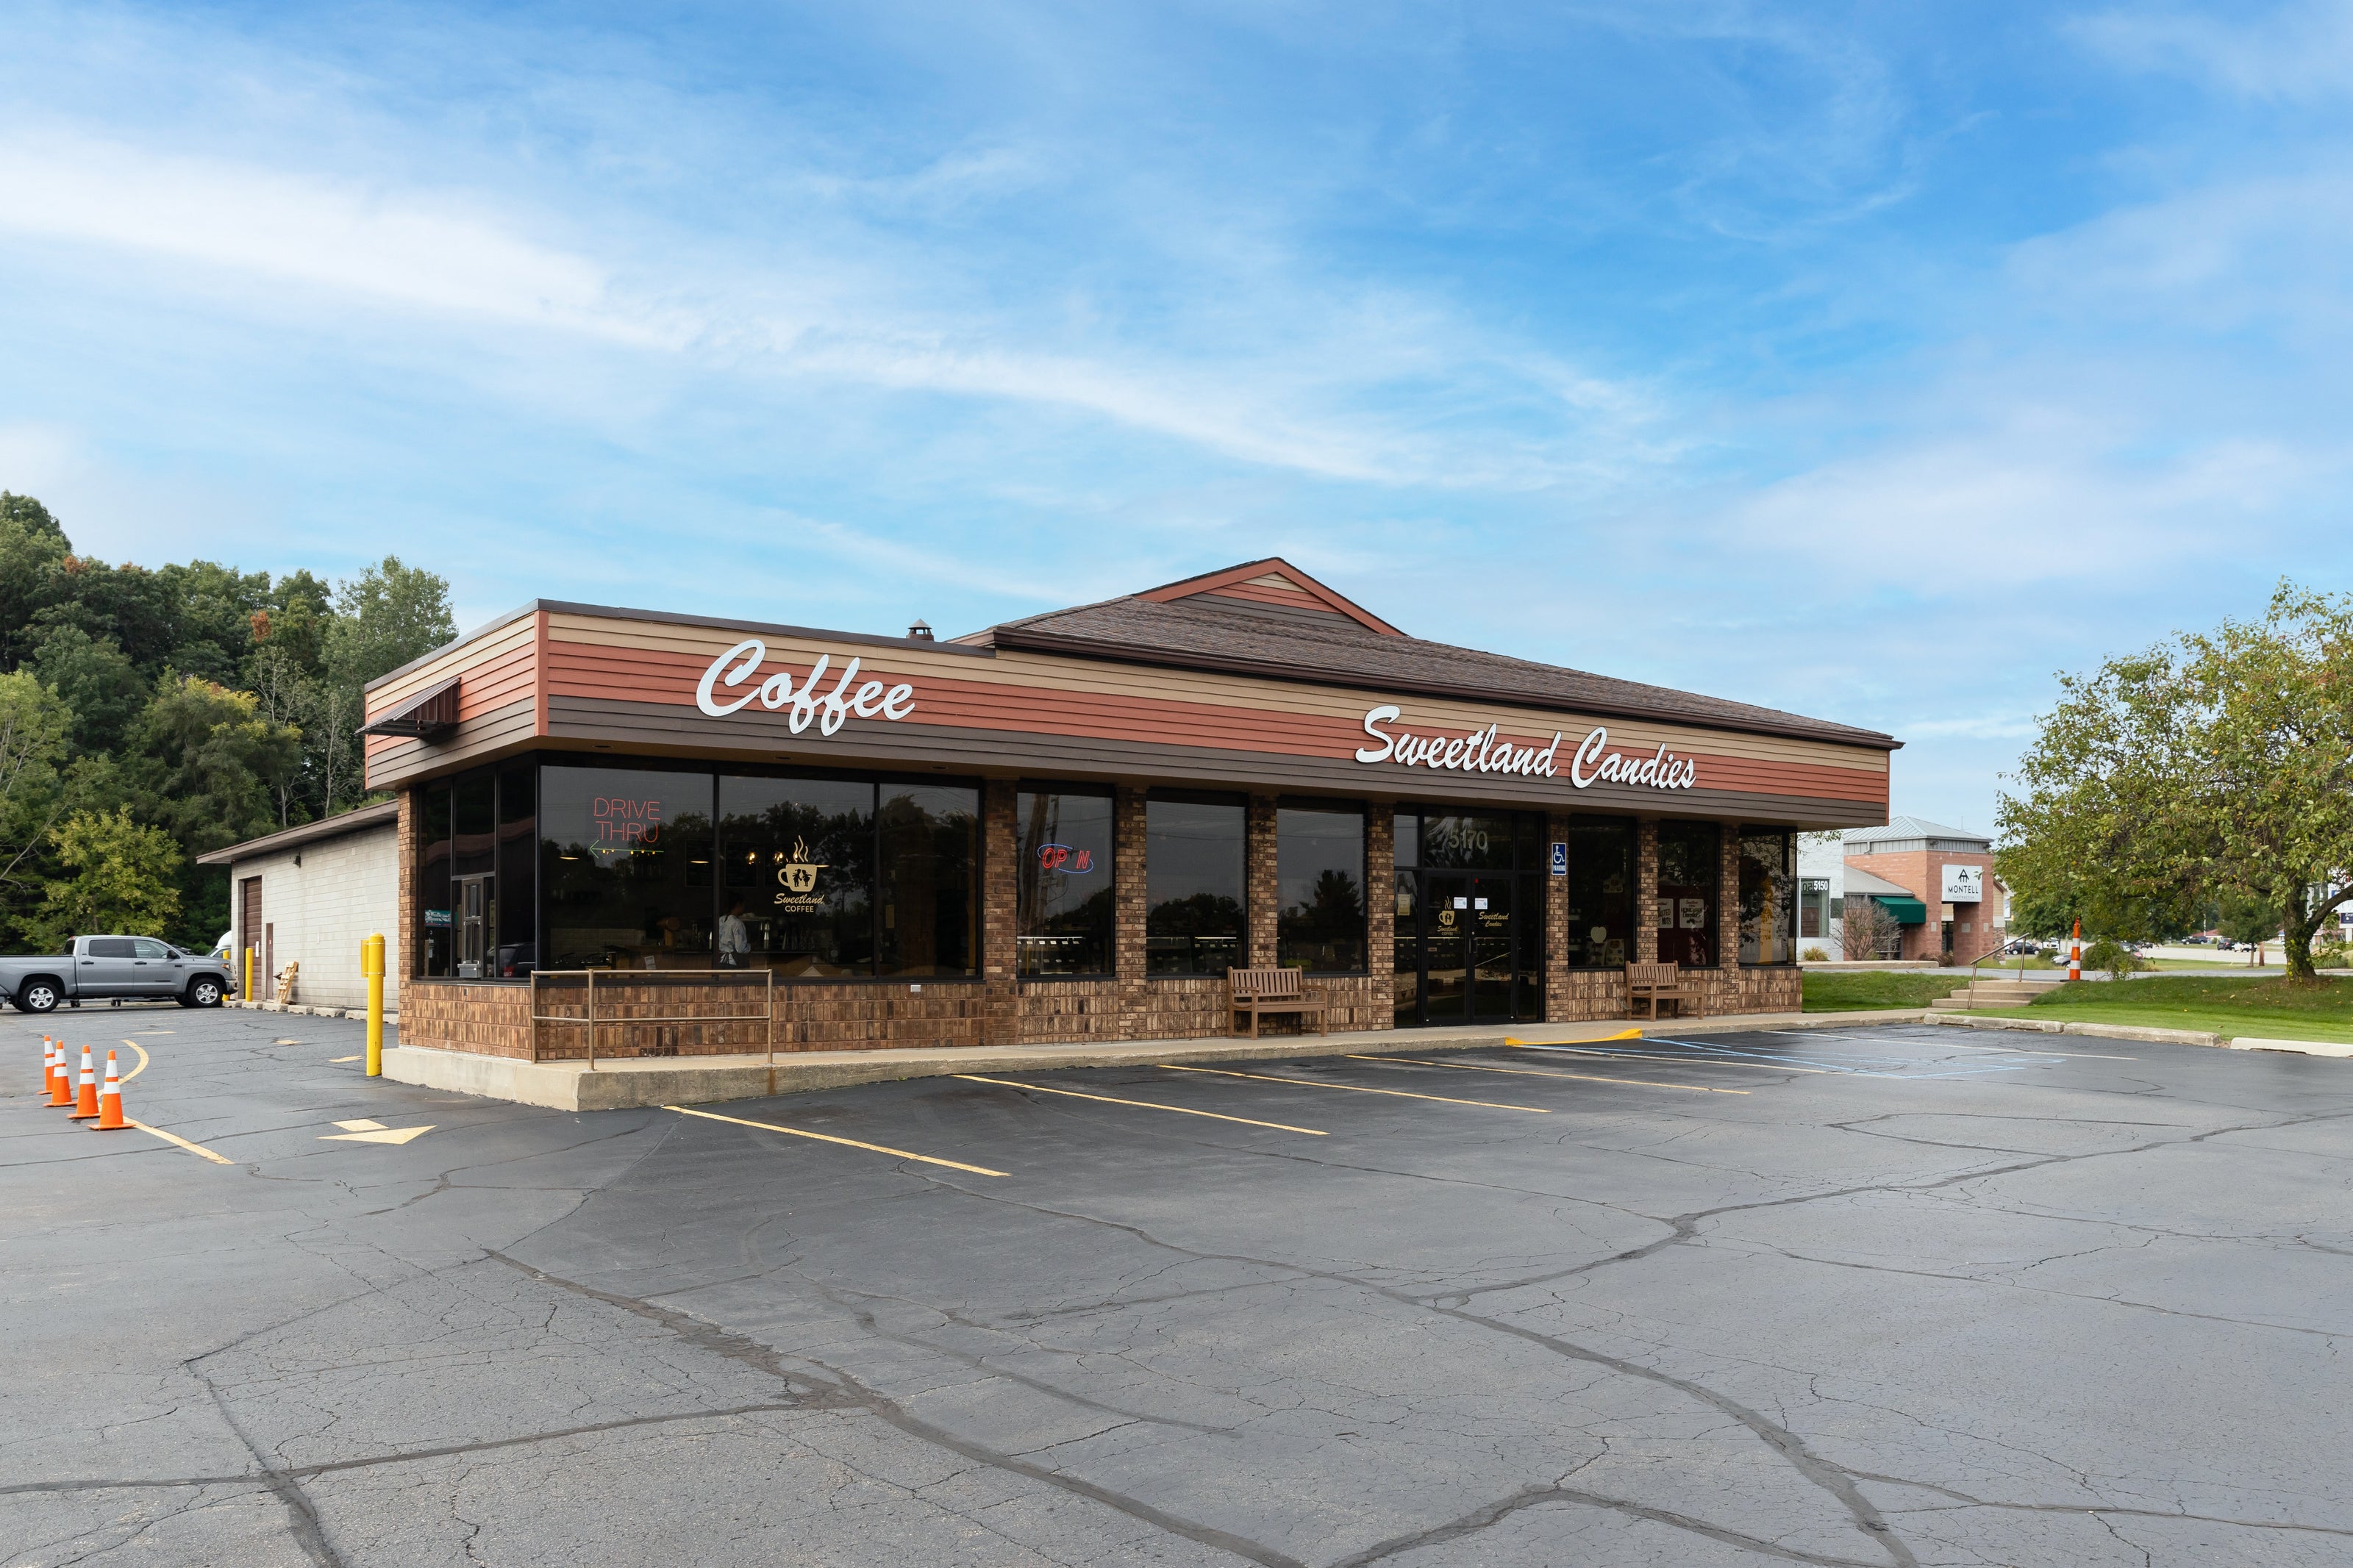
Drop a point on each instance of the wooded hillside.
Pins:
(148, 715)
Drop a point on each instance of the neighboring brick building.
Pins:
(1949, 871)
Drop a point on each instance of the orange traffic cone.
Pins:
(61, 1079)
(110, 1099)
(86, 1102)
(49, 1062)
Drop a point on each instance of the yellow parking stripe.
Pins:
(134, 1072)
(1528, 1072)
(1358, 1088)
(197, 1149)
(845, 1142)
(1141, 1104)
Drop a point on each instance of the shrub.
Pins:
(1816, 955)
(2114, 956)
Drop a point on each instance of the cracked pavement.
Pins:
(1909, 1300)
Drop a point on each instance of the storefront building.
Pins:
(1069, 827)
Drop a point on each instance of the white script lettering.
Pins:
(830, 710)
(1483, 752)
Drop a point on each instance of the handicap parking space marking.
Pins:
(1985, 1069)
(1141, 1104)
(1970, 1045)
(1582, 1077)
(1358, 1088)
(845, 1142)
(1698, 1053)
(366, 1130)
(1685, 1057)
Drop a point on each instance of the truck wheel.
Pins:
(37, 995)
(203, 992)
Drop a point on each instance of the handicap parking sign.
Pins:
(1560, 860)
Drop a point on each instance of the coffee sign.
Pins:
(831, 711)
(1481, 751)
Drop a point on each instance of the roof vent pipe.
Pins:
(921, 631)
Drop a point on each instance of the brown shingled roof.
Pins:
(1202, 632)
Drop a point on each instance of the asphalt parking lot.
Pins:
(1879, 1296)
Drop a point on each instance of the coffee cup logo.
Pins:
(798, 874)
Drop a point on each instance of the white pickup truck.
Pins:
(114, 969)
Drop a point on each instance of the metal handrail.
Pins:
(768, 1016)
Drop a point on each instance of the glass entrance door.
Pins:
(1466, 948)
(474, 925)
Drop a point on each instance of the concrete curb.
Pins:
(2151, 1035)
(2302, 1047)
(641, 1081)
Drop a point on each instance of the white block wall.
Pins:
(344, 891)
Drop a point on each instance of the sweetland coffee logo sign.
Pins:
(1483, 752)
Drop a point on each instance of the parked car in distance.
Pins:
(114, 969)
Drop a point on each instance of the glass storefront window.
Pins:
(1467, 840)
(1195, 864)
(625, 865)
(800, 876)
(1063, 880)
(1319, 869)
(1601, 921)
(1690, 873)
(930, 850)
(518, 866)
(1813, 908)
(436, 936)
(1769, 895)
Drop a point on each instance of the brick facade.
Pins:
(1923, 872)
(640, 1015)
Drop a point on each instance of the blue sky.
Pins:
(1873, 362)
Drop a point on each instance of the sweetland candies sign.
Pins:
(1481, 751)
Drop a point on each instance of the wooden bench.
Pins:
(1262, 991)
(1657, 983)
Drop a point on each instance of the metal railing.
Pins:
(766, 1017)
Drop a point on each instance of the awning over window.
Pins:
(1907, 911)
(422, 716)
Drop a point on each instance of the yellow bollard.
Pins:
(248, 992)
(372, 966)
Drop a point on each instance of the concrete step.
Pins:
(1968, 999)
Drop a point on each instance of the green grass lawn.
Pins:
(1853, 991)
(2216, 1003)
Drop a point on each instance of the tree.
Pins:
(93, 677)
(33, 727)
(384, 619)
(2248, 919)
(2219, 763)
(1866, 929)
(124, 879)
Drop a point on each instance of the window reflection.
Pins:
(1690, 873)
(1319, 867)
(800, 876)
(1600, 925)
(625, 859)
(1769, 895)
(1062, 880)
(1194, 865)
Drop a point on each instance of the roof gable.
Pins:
(1271, 581)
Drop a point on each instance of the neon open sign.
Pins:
(1062, 857)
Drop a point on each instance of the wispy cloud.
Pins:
(2300, 51)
